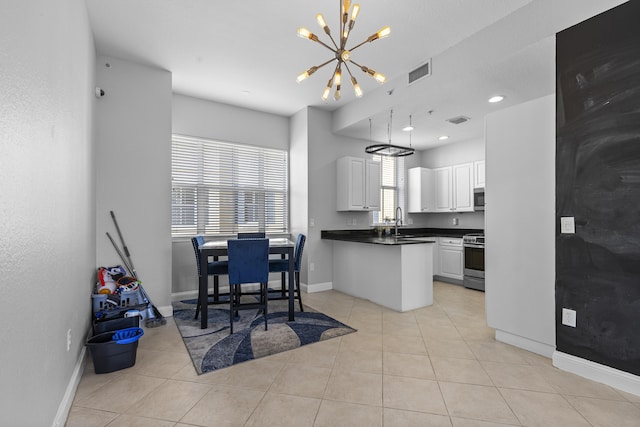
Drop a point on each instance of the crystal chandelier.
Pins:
(341, 54)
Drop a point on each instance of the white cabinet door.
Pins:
(451, 257)
(442, 182)
(358, 184)
(463, 187)
(479, 174)
(421, 190)
(372, 185)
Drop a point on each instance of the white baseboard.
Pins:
(594, 371)
(542, 349)
(166, 310)
(316, 287)
(70, 392)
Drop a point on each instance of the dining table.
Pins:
(218, 248)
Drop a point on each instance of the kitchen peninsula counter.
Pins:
(393, 272)
(368, 235)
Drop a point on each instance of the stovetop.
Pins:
(474, 238)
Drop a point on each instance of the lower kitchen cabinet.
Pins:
(451, 257)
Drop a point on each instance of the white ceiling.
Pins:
(246, 53)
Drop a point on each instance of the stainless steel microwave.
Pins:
(478, 199)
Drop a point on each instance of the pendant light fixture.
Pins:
(390, 149)
(341, 54)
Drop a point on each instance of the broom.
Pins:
(154, 317)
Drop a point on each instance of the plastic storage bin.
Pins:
(115, 350)
(101, 326)
(127, 299)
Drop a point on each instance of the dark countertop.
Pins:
(406, 236)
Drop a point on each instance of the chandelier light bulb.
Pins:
(306, 34)
(306, 74)
(338, 78)
(356, 87)
(337, 94)
(325, 93)
(384, 32)
(321, 21)
(346, 56)
(346, 5)
(380, 78)
(354, 14)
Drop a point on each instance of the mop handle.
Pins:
(124, 246)
(124, 261)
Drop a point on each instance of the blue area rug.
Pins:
(213, 348)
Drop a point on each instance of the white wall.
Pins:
(324, 148)
(208, 119)
(453, 154)
(133, 171)
(47, 243)
(520, 224)
(299, 182)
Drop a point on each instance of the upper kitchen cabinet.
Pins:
(421, 190)
(443, 183)
(454, 188)
(463, 187)
(358, 184)
(478, 174)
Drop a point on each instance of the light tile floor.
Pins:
(436, 366)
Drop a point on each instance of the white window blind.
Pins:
(392, 188)
(222, 188)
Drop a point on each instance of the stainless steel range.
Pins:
(473, 245)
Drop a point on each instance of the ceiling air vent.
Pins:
(458, 120)
(422, 71)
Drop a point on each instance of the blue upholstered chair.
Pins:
(282, 266)
(214, 268)
(248, 263)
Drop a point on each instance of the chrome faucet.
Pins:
(398, 218)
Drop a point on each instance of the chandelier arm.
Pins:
(363, 68)
(334, 43)
(325, 63)
(348, 70)
(324, 44)
(357, 46)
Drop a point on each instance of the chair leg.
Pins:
(198, 303)
(297, 273)
(231, 304)
(265, 301)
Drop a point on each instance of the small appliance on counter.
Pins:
(473, 245)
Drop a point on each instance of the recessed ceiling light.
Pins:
(496, 98)
(407, 128)
(245, 92)
(443, 137)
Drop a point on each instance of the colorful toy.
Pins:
(107, 279)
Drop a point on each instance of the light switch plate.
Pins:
(567, 225)
(569, 317)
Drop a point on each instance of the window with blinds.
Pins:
(392, 188)
(222, 188)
